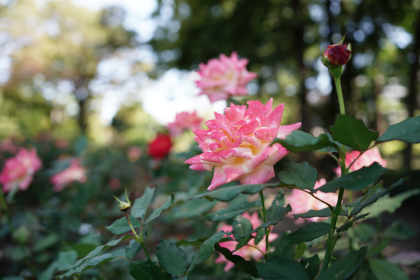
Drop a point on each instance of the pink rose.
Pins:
(73, 173)
(369, 157)
(224, 77)
(302, 202)
(19, 171)
(184, 121)
(246, 252)
(238, 143)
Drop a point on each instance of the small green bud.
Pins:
(124, 206)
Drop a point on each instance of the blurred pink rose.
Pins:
(114, 183)
(246, 252)
(238, 143)
(184, 121)
(19, 171)
(369, 157)
(134, 153)
(221, 78)
(7, 145)
(74, 172)
(302, 202)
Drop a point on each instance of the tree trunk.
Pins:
(411, 99)
(82, 118)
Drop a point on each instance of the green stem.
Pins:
(267, 231)
(137, 238)
(340, 95)
(6, 210)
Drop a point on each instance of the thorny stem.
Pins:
(267, 231)
(137, 238)
(329, 205)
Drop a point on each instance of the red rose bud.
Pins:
(337, 54)
(160, 146)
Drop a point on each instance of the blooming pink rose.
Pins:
(74, 172)
(238, 143)
(184, 121)
(221, 78)
(134, 153)
(246, 252)
(302, 202)
(19, 171)
(369, 157)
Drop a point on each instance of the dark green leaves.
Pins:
(352, 132)
(406, 131)
(121, 225)
(346, 268)
(132, 249)
(349, 224)
(97, 251)
(156, 213)
(312, 265)
(308, 232)
(229, 193)
(277, 203)
(206, 250)
(299, 141)
(171, 258)
(239, 262)
(148, 271)
(326, 212)
(386, 271)
(281, 269)
(232, 211)
(241, 226)
(357, 180)
(141, 204)
(301, 175)
(284, 250)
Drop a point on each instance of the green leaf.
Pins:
(278, 216)
(301, 175)
(97, 251)
(240, 263)
(276, 205)
(121, 225)
(346, 268)
(156, 213)
(260, 235)
(308, 232)
(132, 249)
(64, 258)
(194, 242)
(386, 271)
(206, 250)
(352, 132)
(399, 231)
(281, 269)
(241, 226)
(326, 212)
(299, 141)
(193, 208)
(95, 261)
(243, 242)
(283, 249)
(230, 192)
(376, 249)
(312, 265)
(300, 249)
(46, 242)
(148, 270)
(231, 211)
(349, 224)
(357, 180)
(406, 131)
(171, 258)
(141, 204)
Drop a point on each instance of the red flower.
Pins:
(160, 146)
(337, 54)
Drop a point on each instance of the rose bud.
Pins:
(336, 55)
(123, 206)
